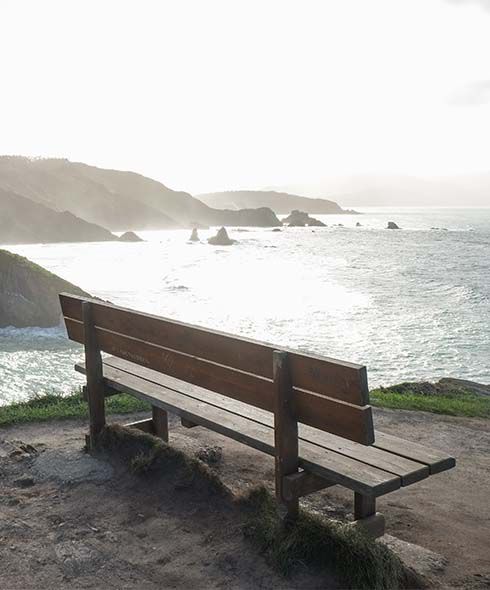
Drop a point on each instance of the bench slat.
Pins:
(435, 460)
(346, 420)
(410, 471)
(338, 379)
(323, 462)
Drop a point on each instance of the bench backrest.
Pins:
(328, 394)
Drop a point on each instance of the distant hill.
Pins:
(83, 190)
(362, 190)
(280, 202)
(114, 199)
(24, 222)
(29, 293)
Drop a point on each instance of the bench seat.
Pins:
(374, 470)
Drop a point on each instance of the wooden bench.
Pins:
(309, 412)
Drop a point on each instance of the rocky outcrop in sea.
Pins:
(301, 219)
(221, 239)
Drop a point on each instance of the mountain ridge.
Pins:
(118, 200)
(279, 201)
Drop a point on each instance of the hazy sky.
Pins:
(207, 95)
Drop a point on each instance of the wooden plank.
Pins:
(285, 432)
(160, 422)
(324, 463)
(436, 460)
(409, 471)
(338, 379)
(303, 483)
(346, 420)
(95, 385)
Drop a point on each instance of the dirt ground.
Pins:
(68, 520)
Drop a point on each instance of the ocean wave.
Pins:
(33, 332)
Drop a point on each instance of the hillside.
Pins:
(23, 221)
(66, 186)
(281, 203)
(114, 199)
(29, 293)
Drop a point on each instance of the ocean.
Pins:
(410, 305)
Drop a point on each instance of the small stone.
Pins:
(210, 455)
(24, 482)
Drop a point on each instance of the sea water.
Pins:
(411, 304)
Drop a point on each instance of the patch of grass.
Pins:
(458, 404)
(148, 454)
(53, 406)
(355, 559)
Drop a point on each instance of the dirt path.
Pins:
(82, 523)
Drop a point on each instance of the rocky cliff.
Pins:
(29, 293)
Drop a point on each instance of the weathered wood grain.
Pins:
(408, 470)
(347, 420)
(95, 385)
(160, 422)
(285, 432)
(437, 461)
(322, 375)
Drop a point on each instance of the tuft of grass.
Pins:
(52, 406)
(352, 556)
(148, 454)
(460, 403)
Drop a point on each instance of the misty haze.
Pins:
(245, 294)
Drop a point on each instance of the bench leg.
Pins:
(160, 423)
(95, 386)
(366, 517)
(285, 436)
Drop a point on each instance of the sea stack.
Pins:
(392, 225)
(301, 219)
(221, 239)
(130, 236)
(194, 237)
